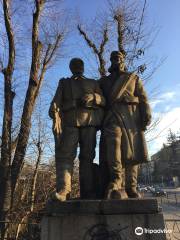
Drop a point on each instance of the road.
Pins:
(171, 210)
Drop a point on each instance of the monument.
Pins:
(117, 104)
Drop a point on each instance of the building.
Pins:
(167, 164)
(146, 173)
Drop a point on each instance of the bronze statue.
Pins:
(122, 142)
(77, 113)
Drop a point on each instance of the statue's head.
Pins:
(76, 66)
(117, 61)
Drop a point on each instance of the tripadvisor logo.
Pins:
(139, 231)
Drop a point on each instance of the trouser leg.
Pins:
(112, 135)
(86, 157)
(65, 154)
(131, 174)
(104, 170)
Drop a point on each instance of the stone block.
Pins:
(102, 220)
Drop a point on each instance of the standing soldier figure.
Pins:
(77, 113)
(122, 141)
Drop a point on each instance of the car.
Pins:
(158, 192)
(150, 188)
(142, 189)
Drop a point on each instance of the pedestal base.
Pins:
(103, 220)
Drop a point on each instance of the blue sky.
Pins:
(166, 105)
(163, 14)
(166, 15)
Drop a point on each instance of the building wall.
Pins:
(167, 163)
(164, 166)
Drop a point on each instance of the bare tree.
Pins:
(5, 161)
(45, 51)
(127, 32)
(97, 50)
(38, 142)
(39, 65)
(129, 19)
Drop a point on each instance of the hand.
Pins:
(89, 97)
(146, 122)
(56, 120)
(57, 123)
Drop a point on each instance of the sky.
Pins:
(165, 81)
(167, 104)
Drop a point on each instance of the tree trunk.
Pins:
(5, 184)
(34, 180)
(32, 195)
(31, 95)
(5, 161)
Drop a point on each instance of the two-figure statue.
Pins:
(117, 104)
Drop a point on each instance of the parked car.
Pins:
(142, 189)
(150, 188)
(158, 192)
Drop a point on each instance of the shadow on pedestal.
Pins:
(128, 219)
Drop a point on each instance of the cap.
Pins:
(117, 54)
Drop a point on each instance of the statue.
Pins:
(122, 144)
(77, 113)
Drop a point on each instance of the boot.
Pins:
(131, 173)
(63, 183)
(133, 193)
(60, 196)
(114, 192)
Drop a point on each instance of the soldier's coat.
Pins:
(68, 92)
(127, 107)
(79, 124)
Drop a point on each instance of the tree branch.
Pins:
(104, 40)
(10, 35)
(88, 41)
(98, 52)
(30, 99)
(119, 18)
(53, 49)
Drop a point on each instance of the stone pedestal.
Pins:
(103, 220)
